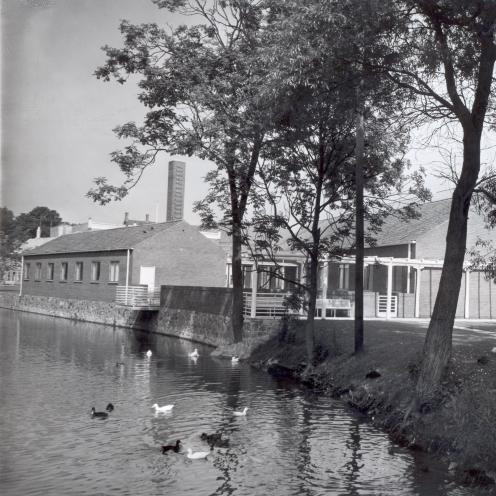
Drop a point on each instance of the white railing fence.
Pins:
(267, 305)
(137, 296)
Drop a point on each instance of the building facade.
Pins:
(92, 265)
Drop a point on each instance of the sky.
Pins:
(57, 118)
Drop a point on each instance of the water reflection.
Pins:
(291, 442)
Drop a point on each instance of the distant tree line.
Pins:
(16, 230)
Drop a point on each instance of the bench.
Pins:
(322, 305)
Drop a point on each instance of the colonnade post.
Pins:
(418, 279)
(254, 285)
(389, 289)
(466, 312)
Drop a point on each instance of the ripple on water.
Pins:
(290, 443)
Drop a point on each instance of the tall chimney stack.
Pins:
(175, 190)
(126, 218)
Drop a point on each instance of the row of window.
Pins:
(95, 273)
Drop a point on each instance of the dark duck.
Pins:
(110, 407)
(171, 447)
(215, 440)
(101, 415)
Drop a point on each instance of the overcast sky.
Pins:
(57, 118)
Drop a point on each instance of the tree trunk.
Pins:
(312, 297)
(237, 275)
(438, 341)
(359, 235)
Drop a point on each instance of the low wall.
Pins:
(84, 310)
(199, 314)
(203, 314)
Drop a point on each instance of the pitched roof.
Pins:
(396, 231)
(122, 238)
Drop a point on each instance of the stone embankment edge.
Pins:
(201, 327)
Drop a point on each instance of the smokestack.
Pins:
(38, 232)
(126, 218)
(175, 190)
(147, 218)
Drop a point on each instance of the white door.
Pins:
(147, 276)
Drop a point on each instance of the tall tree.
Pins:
(444, 52)
(202, 86)
(26, 224)
(309, 174)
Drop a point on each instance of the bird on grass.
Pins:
(241, 414)
(171, 447)
(110, 407)
(197, 454)
(162, 409)
(194, 354)
(100, 415)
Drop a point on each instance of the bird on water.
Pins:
(171, 447)
(194, 354)
(95, 414)
(197, 454)
(110, 407)
(241, 414)
(162, 409)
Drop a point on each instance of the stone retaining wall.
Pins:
(100, 312)
(196, 313)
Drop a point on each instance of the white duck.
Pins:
(149, 353)
(197, 454)
(162, 409)
(235, 359)
(194, 354)
(241, 414)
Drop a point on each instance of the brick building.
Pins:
(402, 271)
(91, 265)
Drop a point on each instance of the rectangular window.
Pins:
(78, 274)
(290, 274)
(37, 272)
(63, 271)
(27, 267)
(50, 271)
(95, 271)
(344, 276)
(114, 272)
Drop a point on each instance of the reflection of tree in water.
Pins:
(353, 466)
(228, 461)
(304, 448)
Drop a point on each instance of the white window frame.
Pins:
(114, 271)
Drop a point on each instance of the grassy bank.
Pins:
(380, 382)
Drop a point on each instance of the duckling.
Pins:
(162, 409)
(197, 455)
(110, 407)
(102, 415)
(171, 447)
(241, 414)
(194, 354)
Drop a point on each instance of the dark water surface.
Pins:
(290, 443)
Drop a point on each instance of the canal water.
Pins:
(291, 442)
